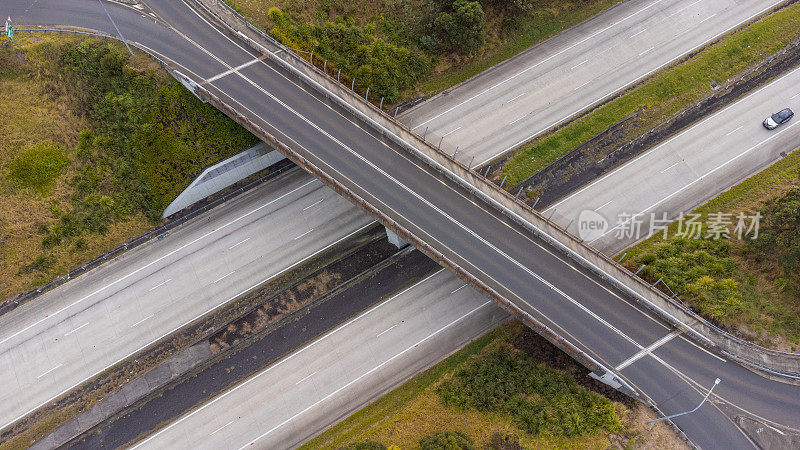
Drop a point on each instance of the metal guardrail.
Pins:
(158, 232)
(783, 364)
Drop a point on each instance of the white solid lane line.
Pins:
(295, 354)
(698, 179)
(137, 323)
(309, 231)
(365, 374)
(637, 33)
(220, 428)
(386, 330)
(230, 71)
(224, 276)
(603, 205)
(305, 378)
(537, 64)
(706, 19)
(156, 261)
(76, 329)
(651, 48)
(238, 243)
(159, 285)
(451, 132)
(54, 368)
(649, 152)
(579, 64)
(670, 167)
(734, 131)
(795, 95)
(314, 204)
(648, 350)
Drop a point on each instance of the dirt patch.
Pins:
(603, 152)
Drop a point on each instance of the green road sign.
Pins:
(9, 29)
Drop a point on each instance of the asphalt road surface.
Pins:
(616, 330)
(547, 84)
(688, 169)
(322, 382)
(82, 327)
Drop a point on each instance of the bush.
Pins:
(463, 28)
(37, 168)
(539, 399)
(779, 240)
(385, 67)
(448, 440)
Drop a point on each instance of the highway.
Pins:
(690, 168)
(336, 374)
(549, 83)
(82, 327)
(620, 330)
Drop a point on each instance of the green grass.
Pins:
(415, 409)
(38, 167)
(545, 22)
(404, 26)
(94, 143)
(749, 296)
(666, 93)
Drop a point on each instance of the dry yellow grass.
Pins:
(32, 116)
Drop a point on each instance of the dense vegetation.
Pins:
(126, 140)
(539, 399)
(493, 394)
(399, 48)
(751, 286)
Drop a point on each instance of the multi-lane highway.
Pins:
(82, 327)
(690, 168)
(618, 347)
(325, 380)
(547, 84)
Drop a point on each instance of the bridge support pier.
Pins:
(394, 239)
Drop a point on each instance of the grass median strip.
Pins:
(665, 93)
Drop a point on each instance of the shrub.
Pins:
(448, 440)
(539, 399)
(38, 167)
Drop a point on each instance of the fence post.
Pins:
(486, 172)
(425, 133)
(312, 57)
(353, 84)
(536, 201)
(440, 142)
(325, 67)
(338, 74)
(469, 167)
(454, 153)
(381, 106)
(366, 96)
(503, 182)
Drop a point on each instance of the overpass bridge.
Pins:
(541, 273)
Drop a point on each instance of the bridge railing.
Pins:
(781, 365)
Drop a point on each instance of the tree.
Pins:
(463, 28)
